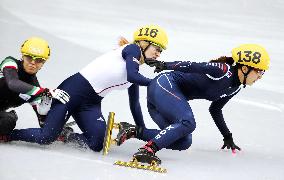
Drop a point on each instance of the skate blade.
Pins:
(107, 139)
(137, 165)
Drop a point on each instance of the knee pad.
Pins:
(7, 121)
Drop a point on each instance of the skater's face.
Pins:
(32, 64)
(252, 77)
(153, 52)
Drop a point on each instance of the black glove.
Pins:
(229, 143)
(160, 65)
(46, 93)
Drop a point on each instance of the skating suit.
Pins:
(169, 93)
(118, 69)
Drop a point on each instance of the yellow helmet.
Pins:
(36, 47)
(152, 33)
(252, 55)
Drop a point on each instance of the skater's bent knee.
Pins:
(96, 148)
(189, 124)
(96, 144)
(182, 144)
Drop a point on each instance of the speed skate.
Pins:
(138, 165)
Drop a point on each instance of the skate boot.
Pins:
(146, 154)
(65, 134)
(126, 131)
(144, 159)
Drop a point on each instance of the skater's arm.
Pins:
(215, 110)
(133, 93)
(217, 115)
(215, 70)
(10, 71)
(132, 54)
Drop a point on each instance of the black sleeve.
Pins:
(14, 83)
(215, 110)
(215, 70)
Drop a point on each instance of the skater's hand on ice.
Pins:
(229, 143)
(160, 65)
(58, 94)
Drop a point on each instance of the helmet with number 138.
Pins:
(254, 60)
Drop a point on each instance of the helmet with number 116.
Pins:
(153, 34)
(252, 55)
(36, 47)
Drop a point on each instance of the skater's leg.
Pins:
(165, 98)
(54, 123)
(181, 144)
(182, 124)
(127, 131)
(58, 114)
(170, 110)
(92, 123)
(148, 134)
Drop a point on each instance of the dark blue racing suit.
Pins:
(169, 92)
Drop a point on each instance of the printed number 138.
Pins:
(249, 56)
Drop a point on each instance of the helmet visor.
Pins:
(36, 59)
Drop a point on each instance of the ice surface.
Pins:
(79, 31)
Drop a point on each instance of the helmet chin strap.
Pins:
(246, 75)
(144, 50)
